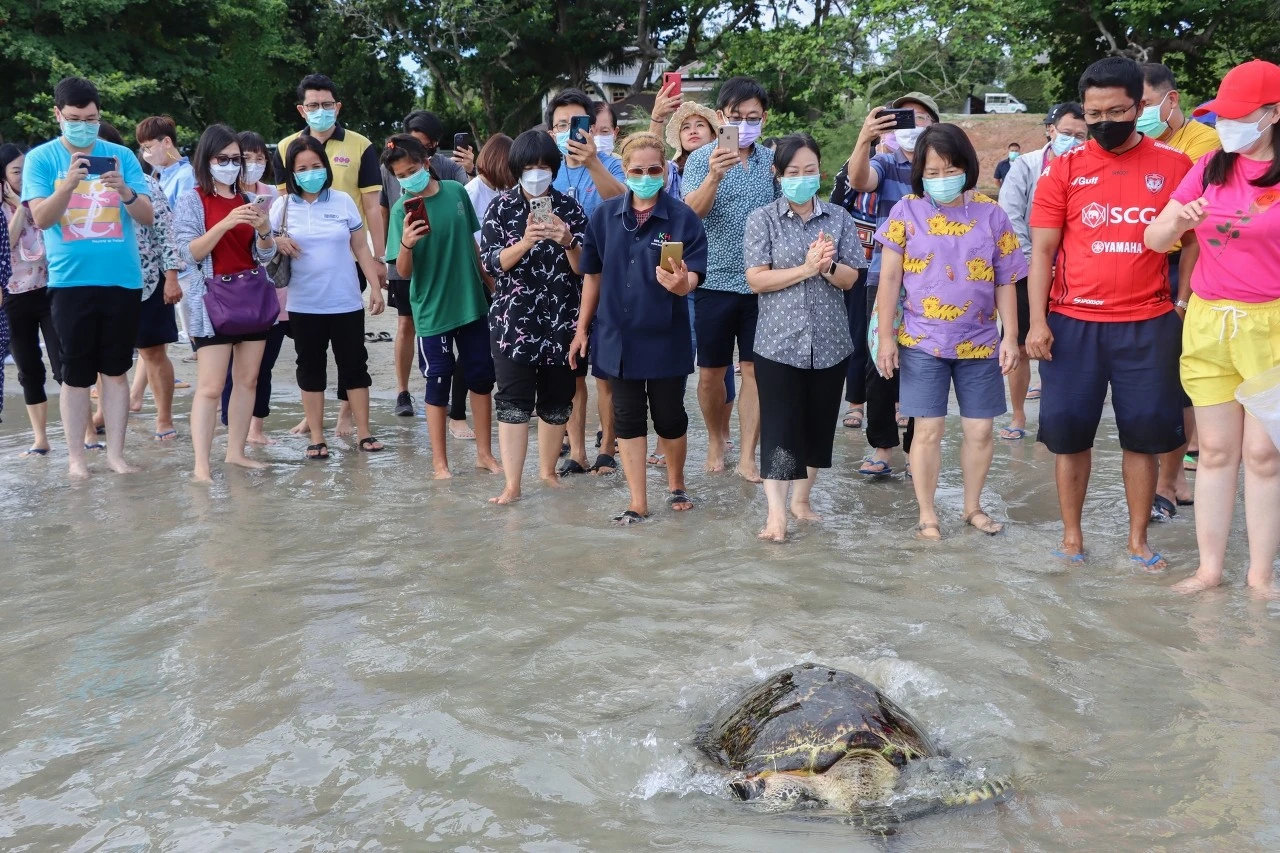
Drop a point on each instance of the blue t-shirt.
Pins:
(176, 179)
(95, 242)
(743, 190)
(577, 184)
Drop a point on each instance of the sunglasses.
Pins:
(651, 171)
(233, 160)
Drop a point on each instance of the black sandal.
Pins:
(569, 467)
(628, 517)
(367, 445)
(679, 496)
(604, 460)
(318, 451)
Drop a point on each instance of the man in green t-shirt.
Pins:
(440, 258)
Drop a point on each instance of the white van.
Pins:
(1000, 102)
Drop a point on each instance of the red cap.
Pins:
(1245, 88)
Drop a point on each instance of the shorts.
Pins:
(722, 318)
(522, 388)
(314, 335)
(157, 322)
(437, 362)
(730, 387)
(1224, 343)
(799, 409)
(398, 296)
(228, 340)
(926, 380)
(1138, 360)
(96, 329)
(635, 401)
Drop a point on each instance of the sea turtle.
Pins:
(819, 737)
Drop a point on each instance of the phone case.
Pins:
(671, 252)
(101, 165)
(579, 127)
(541, 209)
(672, 77)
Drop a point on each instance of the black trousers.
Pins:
(314, 334)
(634, 400)
(799, 409)
(523, 387)
(29, 318)
(882, 396)
(262, 396)
(855, 300)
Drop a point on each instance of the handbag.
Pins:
(241, 304)
(280, 268)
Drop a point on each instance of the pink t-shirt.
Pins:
(1240, 241)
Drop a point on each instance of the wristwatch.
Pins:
(1181, 303)
(831, 270)
(132, 200)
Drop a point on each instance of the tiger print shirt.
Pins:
(953, 259)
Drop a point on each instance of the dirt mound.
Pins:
(991, 135)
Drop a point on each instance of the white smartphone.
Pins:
(727, 137)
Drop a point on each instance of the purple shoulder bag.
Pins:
(241, 304)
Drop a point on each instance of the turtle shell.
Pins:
(807, 718)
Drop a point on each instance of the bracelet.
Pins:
(403, 246)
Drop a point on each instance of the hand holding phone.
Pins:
(727, 137)
(671, 256)
(579, 128)
(99, 166)
(671, 82)
(462, 140)
(903, 119)
(540, 210)
(415, 219)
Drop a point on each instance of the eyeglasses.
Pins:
(327, 105)
(1117, 114)
(651, 171)
(561, 126)
(233, 160)
(752, 121)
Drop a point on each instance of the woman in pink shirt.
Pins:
(1230, 202)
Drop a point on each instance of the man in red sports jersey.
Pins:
(1108, 319)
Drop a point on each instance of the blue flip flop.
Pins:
(1070, 558)
(1146, 563)
(1015, 433)
(95, 446)
(34, 451)
(884, 469)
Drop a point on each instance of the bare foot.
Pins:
(246, 462)
(804, 511)
(1264, 592)
(346, 426)
(442, 473)
(135, 406)
(488, 463)
(259, 439)
(202, 476)
(774, 530)
(301, 428)
(508, 496)
(120, 466)
(460, 430)
(749, 472)
(552, 481)
(1194, 584)
(715, 462)
(78, 471)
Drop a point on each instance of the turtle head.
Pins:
(775, 791)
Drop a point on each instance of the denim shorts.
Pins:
(926, 385)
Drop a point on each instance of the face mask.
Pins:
(944, 190)
(80, 134)
(322, 120)
(1238, 136)
(1062, 143)
(1112, 134)
(747, 133)
(417, 182)
(310, 181)
(1150, 122)
(562, 142)
(907, 138)
(227, 174)
(535, 181)
(1013, 155)
(253, 173)
(156, 157)
(646, 187)
(800, 189)
(604, 144)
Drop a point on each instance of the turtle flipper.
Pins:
(991, 791)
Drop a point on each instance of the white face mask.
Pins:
(253, 172)
(1240, 136)
(907, 138)
(227, 174)
(535, 181)
(604, 144)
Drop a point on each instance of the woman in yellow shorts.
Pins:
(1231, 200)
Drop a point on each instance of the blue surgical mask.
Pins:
(417, 182)
(646, 187)
(80, 134)
(310, 181)
(944, 190)
(1062, 143)
(800, 189)
(562, 142)
(1150, 123)
(322, 120)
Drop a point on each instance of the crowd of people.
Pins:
(1128, 256)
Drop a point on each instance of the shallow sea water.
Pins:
(349, 656)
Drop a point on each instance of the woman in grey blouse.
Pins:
(801, 254)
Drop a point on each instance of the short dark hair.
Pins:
(214, 139)
(426, 122)
(569, 98)
(789, 146)
(252, 142)
(1061, 111)
(739, 90)
(1017, 145)
(402, 146)
(152, 128)
(301, 143)
(8, 153)
(531, 148)
(605, 107)
(1158, 76)
(493, 162)
(75, 92)
(1113, 72)
(107, 131)
(316, 83)
(950, 143)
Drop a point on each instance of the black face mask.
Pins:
(1112, 134)
(431, 150)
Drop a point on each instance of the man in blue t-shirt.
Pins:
(87, 195)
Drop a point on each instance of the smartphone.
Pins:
(672, 254)
(541, 209)
(673, 80)
(727, 137)
(579, 128)
(415, 210)
(101, 165)
(906, 119)
(462, 140)
(262, 201)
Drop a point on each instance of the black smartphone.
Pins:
(462, 140)
(579, 128)
(905, 119)
(101, 165)
(415, 210)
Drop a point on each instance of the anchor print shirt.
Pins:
(535, 303)
(953, 259)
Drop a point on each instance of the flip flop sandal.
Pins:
(1181, 502)
(679, 496)
(658, 460)
(98, 445)
(1163, 509)
(628, 517)
(181, 384)
(1070, 558)
(100, 430)
(1014, 433)
(370, 337)
(921, 528)
(33, 452)
(853, 419)
(318, 451)
(1033, 394)
(384, 338)
(569, 467)
(994, 529)
(604, 460)
(367, 445)
(167, 435)
(599, 437)
(1148, 564)
(879, 467)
